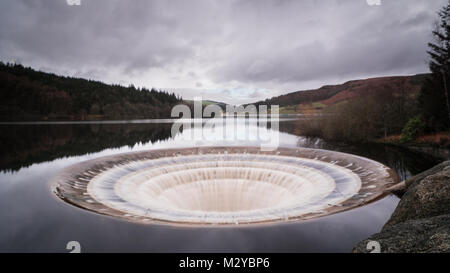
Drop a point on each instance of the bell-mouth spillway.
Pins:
(223, 185)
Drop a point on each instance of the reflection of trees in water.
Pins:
(406, 163)
(23, 145)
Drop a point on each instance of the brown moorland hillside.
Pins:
(310, 100)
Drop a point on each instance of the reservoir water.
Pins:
(35, 220)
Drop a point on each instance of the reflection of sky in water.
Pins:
(34, 220)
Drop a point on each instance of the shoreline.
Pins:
(421, 221)
(428, 148)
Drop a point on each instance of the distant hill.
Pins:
(313, 101)
(205, 103)
(27, 94)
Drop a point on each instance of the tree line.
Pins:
(27, 94)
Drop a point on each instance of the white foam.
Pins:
(224, 188)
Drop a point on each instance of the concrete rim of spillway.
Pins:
(223, 186)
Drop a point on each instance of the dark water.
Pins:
(33, 220)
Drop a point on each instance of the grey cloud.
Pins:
(254, 44)
(226, 92)
(391, 39)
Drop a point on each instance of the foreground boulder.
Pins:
(425, 198)
(417, 178)
(421, 221)
(422, 235)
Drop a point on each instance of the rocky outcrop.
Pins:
(422, 235)
(426, 197)
(421, 221)
(416, 179)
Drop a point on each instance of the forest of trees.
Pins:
(365, 118)
(27, 94)
(434, 98)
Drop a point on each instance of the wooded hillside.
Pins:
(27, 94)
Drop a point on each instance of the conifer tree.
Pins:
(435, 98)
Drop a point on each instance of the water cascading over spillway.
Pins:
(232, 185)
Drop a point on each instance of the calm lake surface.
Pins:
(34, 220)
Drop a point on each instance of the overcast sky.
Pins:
(236, 51)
